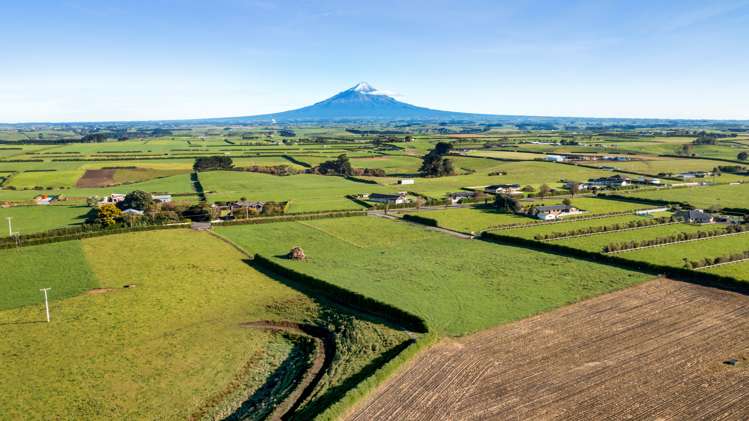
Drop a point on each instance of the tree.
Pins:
(567, 202)
(108, 215)
(434, 164)
(528, 189)
(507, 203)
(205, 163)
(136, 199)
(198, 213)
(574, 188)
(338, 166)
(544, 190)
(742, 156)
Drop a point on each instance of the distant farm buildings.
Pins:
(44, 199)
(396, 199)
(613, 181)
(548, 213)
(112, 199)
(503, 189)
(460, 197)
(406, 181)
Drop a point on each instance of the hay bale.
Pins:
(296, 253)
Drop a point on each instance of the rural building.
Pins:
(112, 199)
(388, 198)
(613, 181)
(696, 216)
(693, 174)
(459, 197)
(44, 199)
(649, 180)
(555, 158)
(406, 181)
(548, 213)
(133, 212)
(503, 189)
(581, 186)
(162, 198)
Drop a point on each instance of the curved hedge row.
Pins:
(682, 274)
(345, 297)
(294, 217)
(67, 234)
(421, 220)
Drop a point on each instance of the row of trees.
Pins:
(707, 261)
(342, 166)
(675, 238)
(605, 228)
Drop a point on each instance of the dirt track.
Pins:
(655, 351)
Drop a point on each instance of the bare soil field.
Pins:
(655, 351)
(96, 178)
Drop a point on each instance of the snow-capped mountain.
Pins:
(361, 102)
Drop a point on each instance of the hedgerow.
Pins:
(640, 223)
(676, 238)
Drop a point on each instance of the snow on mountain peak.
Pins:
(364, 88)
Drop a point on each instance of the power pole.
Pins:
(10, 227)
(46, 302)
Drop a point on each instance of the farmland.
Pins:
(726, 196)
(176, 323)
(589, 360)
(162, 349)
(442, 283)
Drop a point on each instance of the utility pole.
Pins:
(46, 302)
(10, 227)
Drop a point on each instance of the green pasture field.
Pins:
(38, 218)
(482, 217)
(56, 179)
(307, 192)
(525, 156)
(171, 347)
(597, 242)
(674, 165)
(739, 270)
(458, 286)
(60, 266)
(569, 225)
(472, 219)
(392, 164)
(727, 196)
(674, 255)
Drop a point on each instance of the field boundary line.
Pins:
(609, 232)
(722, 264)
(677, 242)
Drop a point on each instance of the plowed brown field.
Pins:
(96, 178)
(655, 351)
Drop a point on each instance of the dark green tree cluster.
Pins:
(338, 166)
(435, 163)
(205, 163)
(743, 156)
(136, 199)
(505, 203)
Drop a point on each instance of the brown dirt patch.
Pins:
(654, 351)
(96, 178)
(97, 291)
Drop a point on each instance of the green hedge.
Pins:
(421, 220)
(360, 202)
(682, 274)
(345, 297)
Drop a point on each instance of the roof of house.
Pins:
(461, 194)
(503, 186)
(551, 208)
(696, 215)
(385, 196)
(133, 211)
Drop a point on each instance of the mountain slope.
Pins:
(362, 102)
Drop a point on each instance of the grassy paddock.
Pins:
(458, 286)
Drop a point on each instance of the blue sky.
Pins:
(76, 60)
